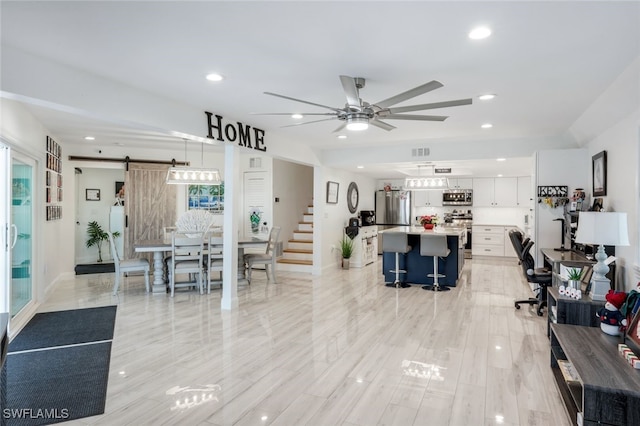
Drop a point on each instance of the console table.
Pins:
(566, 310)
(596, 384)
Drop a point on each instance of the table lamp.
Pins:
(602, 228)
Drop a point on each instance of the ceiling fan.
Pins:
(357, 114)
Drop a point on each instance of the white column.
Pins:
(230, 235)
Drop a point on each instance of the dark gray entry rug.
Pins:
(58, 370)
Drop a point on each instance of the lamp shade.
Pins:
(193, 176)
(603, 228)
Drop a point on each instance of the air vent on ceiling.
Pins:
(255, 163)
(419, 152)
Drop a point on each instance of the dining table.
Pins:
(161, 246)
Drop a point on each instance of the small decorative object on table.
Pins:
(254, 217)
(429, 221)
(194, 222)
(611, 319)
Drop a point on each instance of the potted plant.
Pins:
(346, 250)
(573, 275)
(96, 236)
(429, 221)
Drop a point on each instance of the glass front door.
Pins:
(21, 234)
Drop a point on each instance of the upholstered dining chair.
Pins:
(268, 258)
(187, 251)
(128, 265)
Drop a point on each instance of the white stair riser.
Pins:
(301, 246)
(302, 236)
(305, 227)
(307, 218)
(310, 210)
(297, 256)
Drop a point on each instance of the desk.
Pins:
(159, 247)
(568, 258)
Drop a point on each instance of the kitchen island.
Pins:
(417, 266)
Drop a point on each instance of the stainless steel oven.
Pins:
(462, 219)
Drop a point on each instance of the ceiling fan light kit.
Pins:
(357, 115)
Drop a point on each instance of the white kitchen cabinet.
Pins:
(461, 183)
(429, 198)
(495, 192)
(492, 240)
(525, 195)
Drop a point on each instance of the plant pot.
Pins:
(428, 226)
(575, 284)
(345, 263)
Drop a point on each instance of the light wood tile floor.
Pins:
(339, 349)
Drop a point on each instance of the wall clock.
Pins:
(353, 197)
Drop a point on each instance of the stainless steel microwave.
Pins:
(457, 197)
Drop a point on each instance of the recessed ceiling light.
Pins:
(214, 77)
(499, 175)
(479, 33)
(487, 126)
(486, 97)
(296, 116)
(501, 159)
(342, 136)
(89, 138)
(360, 167)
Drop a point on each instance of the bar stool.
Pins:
(396, 242)
(436, 246)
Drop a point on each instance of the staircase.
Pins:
(298, 256)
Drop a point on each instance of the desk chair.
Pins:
(125, 266)
(267, 258)
(540, 277)
(187, 258)
(435, 246)
(396, 242)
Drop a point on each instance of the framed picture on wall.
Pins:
(332, 192)
(599, 170)
(92, 194)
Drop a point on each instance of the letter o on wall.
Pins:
(233, 131)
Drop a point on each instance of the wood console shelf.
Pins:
(604, 389)
(565, 310)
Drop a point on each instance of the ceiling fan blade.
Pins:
(427, 87)
(381, 124)
(351, 92)
(434, 105)
(304, 102)
(415, 117)
(339, 129)
(291, 113)
(309, 122)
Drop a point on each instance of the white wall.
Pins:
(26, 135)
(87, 211)
(621, 143)
(293, 186)
(567, 167)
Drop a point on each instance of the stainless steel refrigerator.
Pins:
(393, 208)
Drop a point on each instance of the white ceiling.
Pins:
(546, 61)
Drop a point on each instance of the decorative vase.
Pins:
(345, 263)
(574, 284)
(428, 226)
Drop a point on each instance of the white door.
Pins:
(20, 232)
(255, 212)
(6, 227)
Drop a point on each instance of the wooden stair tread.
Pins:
(301, 241)
(301, 231)
(297, 251)
(296, 261)
(305, 223)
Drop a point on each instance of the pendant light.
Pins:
(426, 183)
(186, 175)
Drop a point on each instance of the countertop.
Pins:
(419, 230)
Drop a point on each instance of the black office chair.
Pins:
(539, 276)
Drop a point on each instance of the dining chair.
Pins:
(267, 258)
(187, 253)
(213, 259)
(126, 266)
